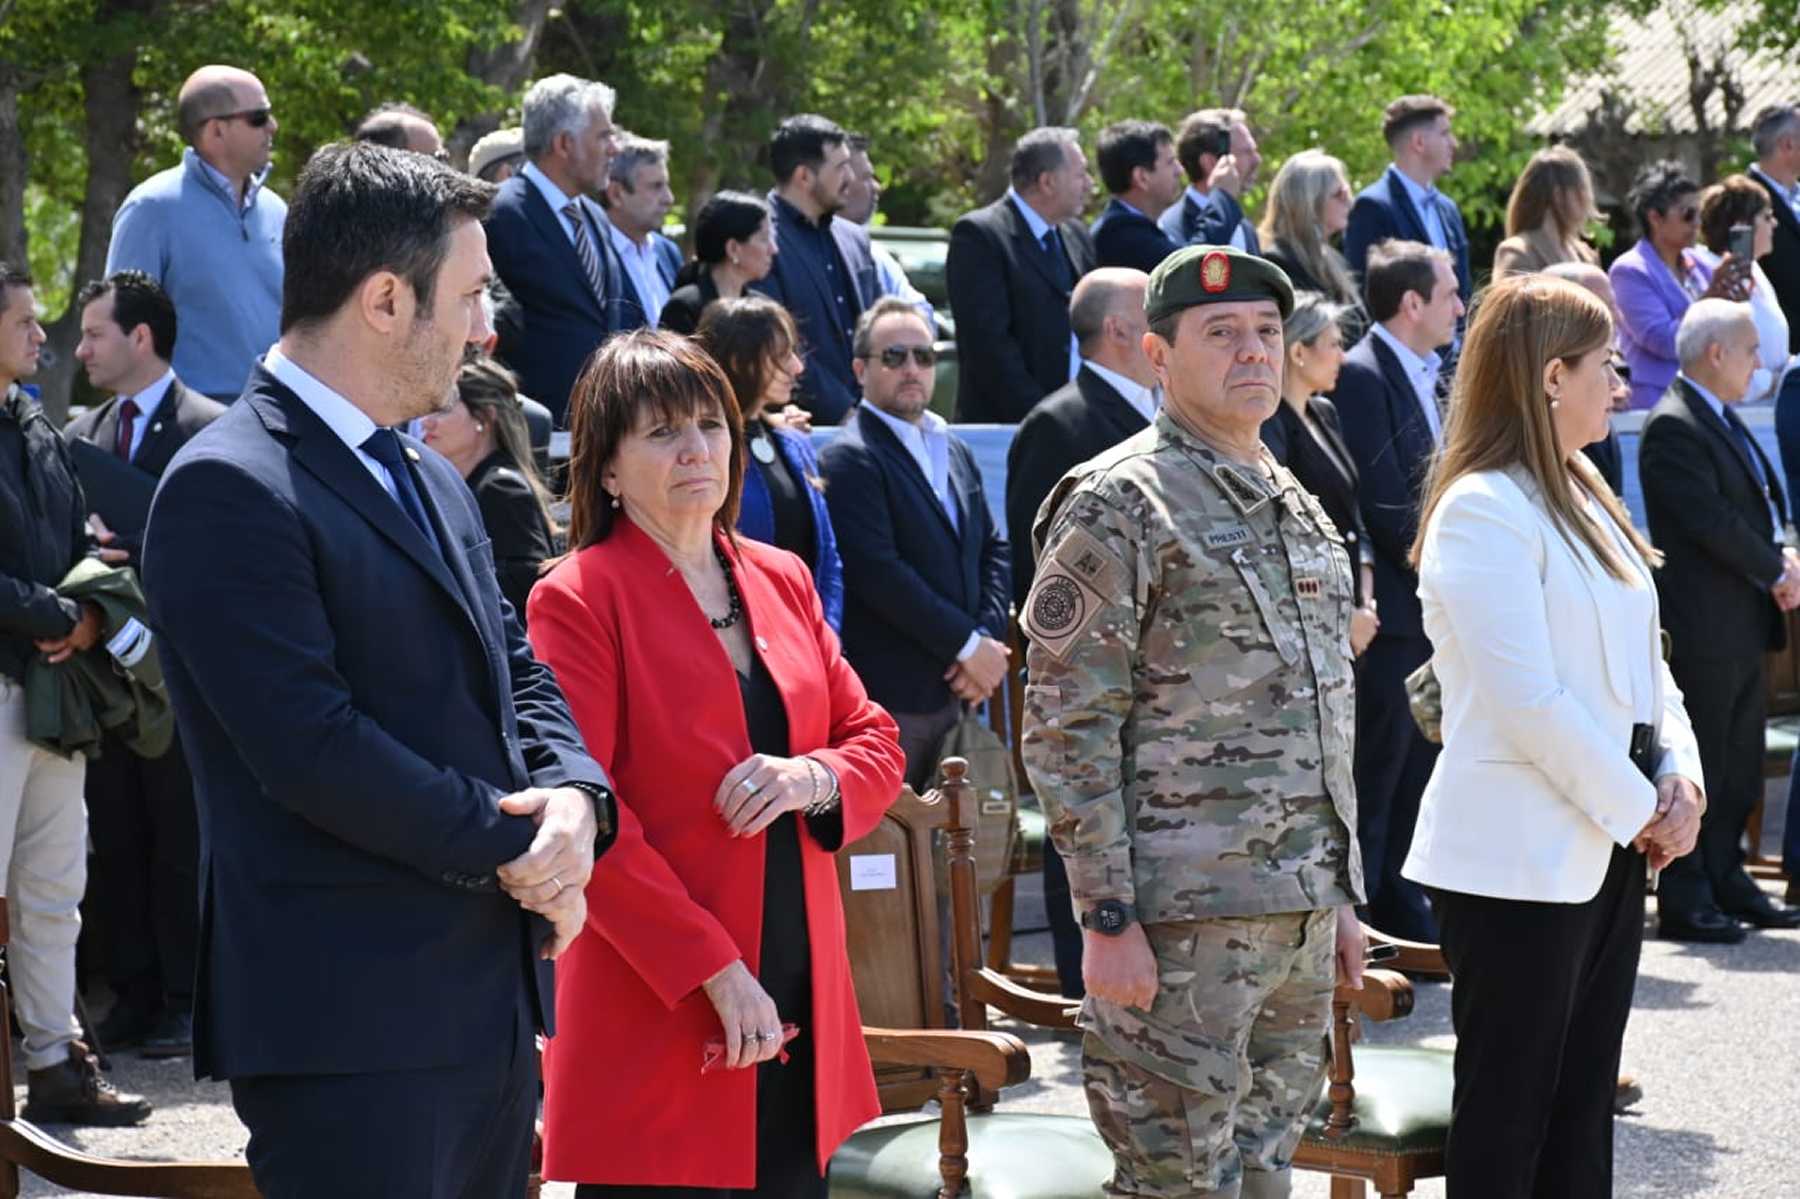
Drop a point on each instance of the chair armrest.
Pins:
(1022, 1003)
(1384, 995)
(1416, 957)
(996, 1059)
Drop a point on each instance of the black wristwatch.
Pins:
(1109, 917)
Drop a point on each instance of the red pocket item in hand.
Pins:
(712, 1056)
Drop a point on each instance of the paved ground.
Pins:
(1715, 1040)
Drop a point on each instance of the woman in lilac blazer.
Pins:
(1656, 280)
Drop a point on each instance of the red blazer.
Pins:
(676, 899)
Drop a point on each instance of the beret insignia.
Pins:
(1215, 272)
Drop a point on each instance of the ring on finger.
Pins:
(560, 885)
(753, 788)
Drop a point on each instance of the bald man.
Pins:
(210, 233)
(402, 127)
(1112, 396)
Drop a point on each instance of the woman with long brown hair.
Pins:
(1568, 759)
(1547, 215)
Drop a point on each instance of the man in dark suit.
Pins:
(1405, 202)
(925, 570)
(146, 841)
(548, 240)
(1010, 271)
(1219, 154)
(1775, 135)
(1138, 169)
(1717, 512)
(392, 794)
(1114, 395)
(1386, 396)
(825, 274)
(637, 199)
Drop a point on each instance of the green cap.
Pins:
(1214, 275)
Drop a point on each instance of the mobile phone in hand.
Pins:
(1742, 243)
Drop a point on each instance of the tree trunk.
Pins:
(111, 138)
(12, 171)
(506, 67)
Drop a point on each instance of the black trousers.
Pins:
(1540, 995)
(1393, 764)
(1726, 704)
(460, 1132)
(143, 889)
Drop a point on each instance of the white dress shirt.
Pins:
(641, 265)
(351, 424)
(147, 401)
(929, 444)
(1146, 400)
(1039, 226)
(1422, 373)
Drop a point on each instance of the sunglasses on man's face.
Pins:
(256, 118)
(894, 357)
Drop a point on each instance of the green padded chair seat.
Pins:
(1780, 736)
(1034, 834)
(1012, 1155)
(1402, 1101)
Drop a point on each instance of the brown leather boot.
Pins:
(75, 1092)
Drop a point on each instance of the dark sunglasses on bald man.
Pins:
(894, 357)
(256, 118)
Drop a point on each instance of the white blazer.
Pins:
(1535, 784)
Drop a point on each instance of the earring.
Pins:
(478, 426)
(615, 501)
(1555, 402)
(734, 260)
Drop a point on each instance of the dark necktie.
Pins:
(128, 414)
(1741, 431)
(585, 250)
(384, 446)
(1059, 261)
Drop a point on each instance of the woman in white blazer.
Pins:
(1542, 817)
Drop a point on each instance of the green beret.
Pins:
(1214, 275)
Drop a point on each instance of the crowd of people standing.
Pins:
(1267, 479)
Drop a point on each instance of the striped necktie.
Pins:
(584, 250)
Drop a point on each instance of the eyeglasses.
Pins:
(1688, 216)
(894, 357)
(256, 118)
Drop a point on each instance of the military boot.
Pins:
(75, 1092)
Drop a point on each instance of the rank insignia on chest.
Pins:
(1309, 587)
(1243, 492)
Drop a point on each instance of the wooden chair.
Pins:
(1385, 1114)
(24, 1146)
(897, 963)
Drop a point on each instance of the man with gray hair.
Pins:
(548, 240)
(1718, 513)
(637, 199)
(209, 232)
(1012, 269)
(1775, 137)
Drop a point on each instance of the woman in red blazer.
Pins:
(744, 752)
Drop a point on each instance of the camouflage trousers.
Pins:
(1206, 1094)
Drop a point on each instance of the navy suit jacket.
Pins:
(563, 320)
(1012, 314)
(1189, 223)
(1126, 237)
(1390, 442)
(1384, 210)
(829, 388)
(914, 586)
(353, 704)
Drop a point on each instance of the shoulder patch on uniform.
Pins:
(1059, 610)
(1225, 538)
(1083, 555)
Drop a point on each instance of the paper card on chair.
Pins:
(872, 872)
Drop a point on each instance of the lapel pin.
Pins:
(157, 427)
(411, 454)
(762, 643)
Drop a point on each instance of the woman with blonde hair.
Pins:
(1569, 764)
(1309, 204)
(1550, 208)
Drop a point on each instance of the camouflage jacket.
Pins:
(1190, 714)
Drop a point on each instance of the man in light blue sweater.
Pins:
(210, 233)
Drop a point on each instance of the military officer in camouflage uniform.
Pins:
(1188, 727)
